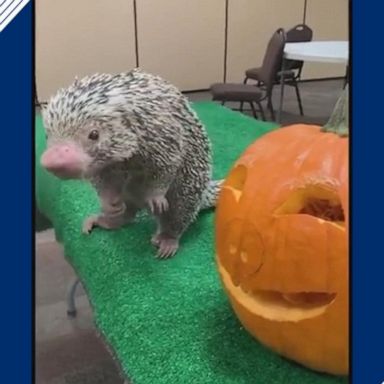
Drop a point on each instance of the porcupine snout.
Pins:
(64, 160)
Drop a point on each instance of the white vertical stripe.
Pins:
(11, 8)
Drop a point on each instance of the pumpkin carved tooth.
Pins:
(282, 241)
(235, 192)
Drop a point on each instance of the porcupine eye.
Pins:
(94, 135)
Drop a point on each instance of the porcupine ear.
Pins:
(44, 114)
(43, 110)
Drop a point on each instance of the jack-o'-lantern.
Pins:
(282, 241)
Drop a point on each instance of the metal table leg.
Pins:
(281, 91)
(71, 305)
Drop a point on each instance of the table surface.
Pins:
(319, 51)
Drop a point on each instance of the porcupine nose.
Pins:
(63, 160)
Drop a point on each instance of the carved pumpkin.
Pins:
(282, 242)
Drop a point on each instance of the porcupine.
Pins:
(135, 137)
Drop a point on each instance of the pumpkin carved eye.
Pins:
(236, 181)
(317, 201)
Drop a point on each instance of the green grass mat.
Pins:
(166, 321)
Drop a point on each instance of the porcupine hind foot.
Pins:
(184, 204)
(167, 245)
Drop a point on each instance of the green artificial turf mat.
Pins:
(166, 321)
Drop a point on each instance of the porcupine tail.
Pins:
(211, 194)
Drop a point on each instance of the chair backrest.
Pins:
(299, 33)
(272, 59)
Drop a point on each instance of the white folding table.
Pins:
(315, 51)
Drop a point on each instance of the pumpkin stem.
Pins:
(339, 120)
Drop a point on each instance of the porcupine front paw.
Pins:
(102, 222)
(157, 204)
(89, 223)
(112, 219)
(167, 245)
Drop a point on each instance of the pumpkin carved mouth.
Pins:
(279, 306)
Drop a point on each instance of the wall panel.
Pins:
(329, 21)
(77, 38)
(182, 40)
(251, 24)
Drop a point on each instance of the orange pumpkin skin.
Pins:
(282, 244)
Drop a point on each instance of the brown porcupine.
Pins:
(135, 137)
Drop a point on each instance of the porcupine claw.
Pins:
(88, 224)
(157, 204)
(167, 248)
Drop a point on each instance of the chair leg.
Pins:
(241, 106)
(298, 97)
(346, 77)
(253, 110)
(223, 102)
(270, 107)
(245, 80)
(261, 110)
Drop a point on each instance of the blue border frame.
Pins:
(16, 43)
(367, 207)
(367, 143)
